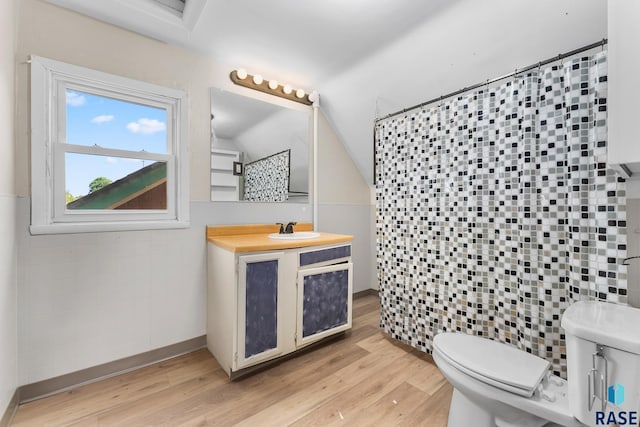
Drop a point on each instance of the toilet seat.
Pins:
(493, 363)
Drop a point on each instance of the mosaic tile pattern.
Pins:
(495, 211)
(267, 180)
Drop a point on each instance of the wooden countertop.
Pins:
(255, 237)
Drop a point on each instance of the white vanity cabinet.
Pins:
(264, 305)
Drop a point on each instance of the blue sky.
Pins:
(109, 123)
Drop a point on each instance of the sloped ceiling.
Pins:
(368, 58)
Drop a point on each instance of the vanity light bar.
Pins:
(272, 87)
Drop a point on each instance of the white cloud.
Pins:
(146, 126)
(112, 160)
(75, 99)
(102, 119)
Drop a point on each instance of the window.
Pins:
(107, 152)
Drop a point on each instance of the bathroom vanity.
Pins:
(271, 296)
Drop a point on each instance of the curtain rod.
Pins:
(506, 76)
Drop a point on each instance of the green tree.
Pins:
(98, 183)
(70, 197)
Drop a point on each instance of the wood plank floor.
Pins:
(362, 379)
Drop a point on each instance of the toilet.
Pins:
(496, 384)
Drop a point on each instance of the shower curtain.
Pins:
(495, 211)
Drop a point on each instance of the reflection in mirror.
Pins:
(271, 143)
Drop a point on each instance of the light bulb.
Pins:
(273, 84)
(314, 96)
(300, 93)
(241, 73)
(257, 79)
(287, 89)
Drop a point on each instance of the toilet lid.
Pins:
(497, 364)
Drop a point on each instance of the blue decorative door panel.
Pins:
(261, 307)
(326, 299)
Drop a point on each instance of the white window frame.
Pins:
(49, 81)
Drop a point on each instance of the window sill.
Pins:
(95, 227)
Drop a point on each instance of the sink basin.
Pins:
(298, 235)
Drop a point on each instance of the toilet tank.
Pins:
(603, 362)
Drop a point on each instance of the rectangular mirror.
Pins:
(259, 151)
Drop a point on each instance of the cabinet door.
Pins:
(259, 336)
(324, 301)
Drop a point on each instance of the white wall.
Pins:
(8, 294)
(56, 33)
(622, 102)
(633, 249)
(225, 144)
(8, 282)
(344, 203)
(468, 42)
(622, 106)
(93, 298)
(8, 248)
(88, 299)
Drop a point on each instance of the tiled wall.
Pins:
(267, 180)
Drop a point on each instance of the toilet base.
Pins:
(464, 412)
